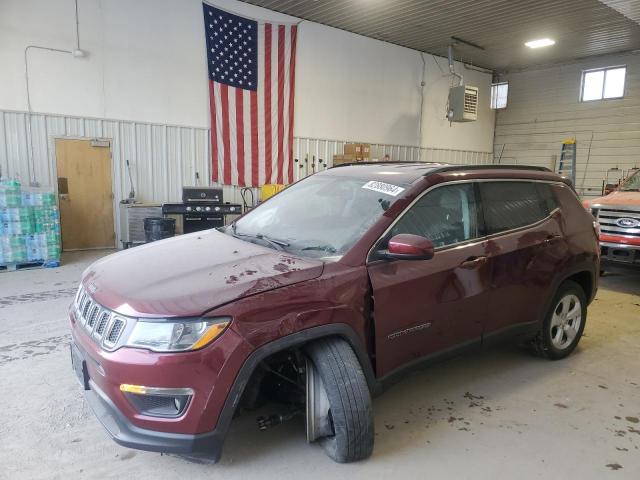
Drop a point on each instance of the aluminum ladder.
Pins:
(567, 163)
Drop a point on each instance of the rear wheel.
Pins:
(338, 405)
(564, 323)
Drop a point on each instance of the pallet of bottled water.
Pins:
(29, 226)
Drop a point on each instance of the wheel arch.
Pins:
(586, 281)
(294, 340)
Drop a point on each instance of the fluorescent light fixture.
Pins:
(542, 42)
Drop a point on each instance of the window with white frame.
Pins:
(499, 92)
(603, 83)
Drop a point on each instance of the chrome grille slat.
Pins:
(104, 327)
(622, 230)
(618, 213)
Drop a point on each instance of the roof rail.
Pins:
(385, 163)
(448, 168)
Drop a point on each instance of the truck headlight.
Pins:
(176, 335)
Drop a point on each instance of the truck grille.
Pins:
(102, 325)
(619, 221)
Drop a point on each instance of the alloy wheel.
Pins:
(565, 322)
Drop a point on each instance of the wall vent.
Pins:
(463, 104)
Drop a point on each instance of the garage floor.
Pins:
(500, 414)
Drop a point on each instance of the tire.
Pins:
(350, 433)
(563, 324)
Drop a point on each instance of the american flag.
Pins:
(251, 92)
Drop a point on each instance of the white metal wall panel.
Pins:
(544, 109)
(163, 158)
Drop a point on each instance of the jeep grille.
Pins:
(103, 326)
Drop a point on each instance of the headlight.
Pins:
(176, 336)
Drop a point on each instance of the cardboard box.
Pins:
(365, 150)
(353, 149)
(362, 151)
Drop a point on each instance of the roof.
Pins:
(408, 172)
(500, 28)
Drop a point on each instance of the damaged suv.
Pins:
(323, 295)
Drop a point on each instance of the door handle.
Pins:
(551, 238)
(473, 262)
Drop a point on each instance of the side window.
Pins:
(446, 215)
(509, 205)
(548, 198)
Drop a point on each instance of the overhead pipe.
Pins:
(76, 52)
(452, 70)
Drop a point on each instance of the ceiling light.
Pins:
(542, 42)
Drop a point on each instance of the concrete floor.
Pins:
(498, 415)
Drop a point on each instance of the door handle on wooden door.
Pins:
(473, 262)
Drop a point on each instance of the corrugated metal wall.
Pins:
(163, 158)
(544, 109)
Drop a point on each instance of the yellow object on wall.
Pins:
(269, 190)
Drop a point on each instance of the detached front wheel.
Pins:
(338, 402)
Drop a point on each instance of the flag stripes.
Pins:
(251, 92)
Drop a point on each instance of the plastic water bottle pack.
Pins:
(29, 225)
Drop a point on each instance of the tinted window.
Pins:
(445, 216)
(509, 205)
(548, 198)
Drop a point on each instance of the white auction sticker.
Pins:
(382, 187)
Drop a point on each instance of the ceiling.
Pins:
(581, 28)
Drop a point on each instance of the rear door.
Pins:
(526, 249)
(423, 307)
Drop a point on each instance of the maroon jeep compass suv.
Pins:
(324, 294)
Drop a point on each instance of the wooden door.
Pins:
(85, 194)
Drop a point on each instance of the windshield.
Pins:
(321, 216)
(632, 184)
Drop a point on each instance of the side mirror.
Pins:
(406, 246)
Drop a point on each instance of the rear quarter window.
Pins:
(510, 205)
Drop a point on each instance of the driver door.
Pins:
(425, 307)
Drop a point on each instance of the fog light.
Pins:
(157, 401)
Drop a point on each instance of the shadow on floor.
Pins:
(621, 280)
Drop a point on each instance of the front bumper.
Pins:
(619, 254)
(202, 446)
(122, 431)
(210, 372)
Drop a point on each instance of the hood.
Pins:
(616, 198)
(190, 274)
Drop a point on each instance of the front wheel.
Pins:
(564, 323)
(339, 413)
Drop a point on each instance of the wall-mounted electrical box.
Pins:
(463, 104)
